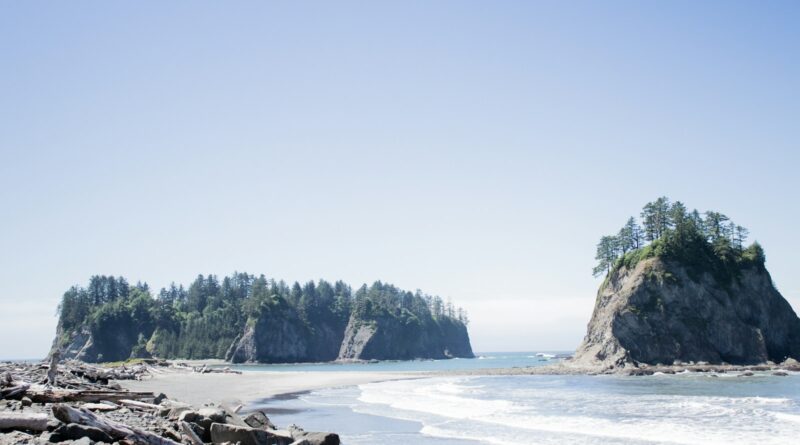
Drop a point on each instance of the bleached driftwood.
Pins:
(108, 406)
(52, 369)
(118, 431)
(40, 395)
(137, 404)
(23, 421)
(17, 390)
(189, 432)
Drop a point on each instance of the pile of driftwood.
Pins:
(77, 403)
(205, 369)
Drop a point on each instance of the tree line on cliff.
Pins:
(203, 320)
(707, 242)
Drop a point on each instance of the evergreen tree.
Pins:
(630, 237)
(606, 255)
(739, 236)
(715, 226)
(656, 218)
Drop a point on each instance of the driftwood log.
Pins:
(17, 390)
(189, 432)
(140, 405)
(23, 421)
(52, 369)
(118, 431)
(67, 395)
(100, 406)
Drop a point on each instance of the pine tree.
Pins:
(606, 255)
(656, 218)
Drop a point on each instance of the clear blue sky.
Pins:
(475, 150)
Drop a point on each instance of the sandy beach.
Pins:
(251, 386)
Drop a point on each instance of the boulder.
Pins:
(313, 438)
(74, 431)
(259, 420)
(203, 417)
(222, 433)
(20, 438)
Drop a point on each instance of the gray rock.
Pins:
(656, 312)
(222, 433)
(313, 438)
(203, 418)
(259, 420)
(73, 431)
(20, 438)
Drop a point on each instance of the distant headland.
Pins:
(244, 318)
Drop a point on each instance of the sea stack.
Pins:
(657, 312)
(693, 294)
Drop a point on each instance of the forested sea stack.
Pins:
(245, 318)
(684, 288)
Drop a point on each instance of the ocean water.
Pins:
(661, 409)
(481, 361)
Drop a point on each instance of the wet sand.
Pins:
(252, 386)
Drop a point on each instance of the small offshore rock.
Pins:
(780, 373)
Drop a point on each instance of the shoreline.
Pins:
(258, 388)
(255, 387)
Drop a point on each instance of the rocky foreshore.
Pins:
(567, 367)
(77, 403)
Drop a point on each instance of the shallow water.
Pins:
(481, 361)
(665, 409)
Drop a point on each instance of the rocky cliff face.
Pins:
(386, 338)
(657, 313)
(84, 345)
(281, 339)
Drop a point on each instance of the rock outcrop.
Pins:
(283, 339)
(391, 338)
(657, 312)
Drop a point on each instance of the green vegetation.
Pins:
(702, 243)
(203, 320)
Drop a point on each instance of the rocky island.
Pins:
(245, 318)
(684, 289)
